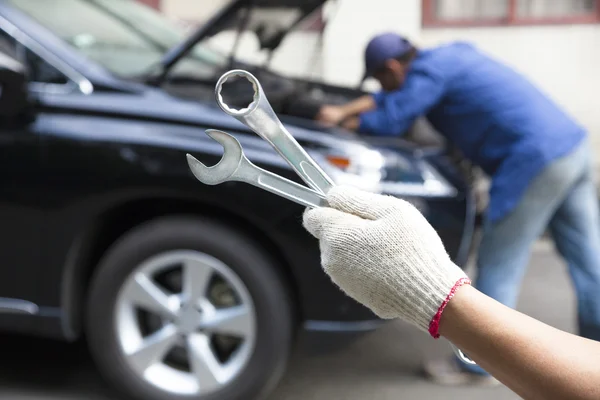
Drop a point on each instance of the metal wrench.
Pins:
(260, 117)
(234, 166)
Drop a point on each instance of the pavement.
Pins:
(380, 366)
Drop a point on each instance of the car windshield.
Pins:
(123, 36)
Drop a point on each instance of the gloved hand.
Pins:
(382, 252)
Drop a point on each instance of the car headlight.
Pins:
(384, 171)
(356, 166)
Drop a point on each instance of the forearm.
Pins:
(351, 123)
(358, 106)
(533, 359)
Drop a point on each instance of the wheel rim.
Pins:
(183, 335)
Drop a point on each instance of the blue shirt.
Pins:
(497, 118)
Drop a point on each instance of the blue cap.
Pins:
(383, 47)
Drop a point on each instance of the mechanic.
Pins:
(537, 157)
(383, 253)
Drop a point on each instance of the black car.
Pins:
(182, 290)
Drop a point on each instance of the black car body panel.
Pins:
(109, 153)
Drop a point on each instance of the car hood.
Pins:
(271, 20)
(155, 105)
(267, 16)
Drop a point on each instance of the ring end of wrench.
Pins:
(255, 98)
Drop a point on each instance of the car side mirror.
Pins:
(14, 96)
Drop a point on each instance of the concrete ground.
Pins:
(381, 366)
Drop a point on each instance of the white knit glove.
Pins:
(382, 252)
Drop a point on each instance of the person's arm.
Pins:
(364, 103)
(336, 114)
(533, 359)
(399, 110)
(382, 252)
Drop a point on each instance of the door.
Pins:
(21, 205)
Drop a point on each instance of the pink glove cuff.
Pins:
(434, 325)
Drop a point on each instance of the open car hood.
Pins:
(270, 20)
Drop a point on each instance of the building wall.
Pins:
(354, 23)
(152, 3)
(190, 10)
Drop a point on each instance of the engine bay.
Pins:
(287, 96)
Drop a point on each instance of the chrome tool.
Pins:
(234, 166)
(260, 117)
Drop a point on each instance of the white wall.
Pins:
(193, 10)
(355, 22)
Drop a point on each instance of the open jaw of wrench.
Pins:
(260, 117)
(234, 166)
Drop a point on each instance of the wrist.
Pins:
(452, 316)
(423, 294)
(449, 304)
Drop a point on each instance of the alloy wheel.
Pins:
(185, 322)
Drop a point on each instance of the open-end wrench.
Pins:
(234, 166)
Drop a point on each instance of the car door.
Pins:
(20, 206)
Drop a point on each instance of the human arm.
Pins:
(383, 253)
(351, 123)
(362, 104)
(533, 359)
(398, 110)
(335, 114)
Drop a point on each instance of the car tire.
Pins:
(257, 272)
